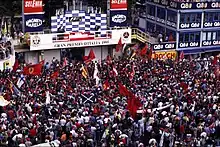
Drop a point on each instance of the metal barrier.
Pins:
(139, 35)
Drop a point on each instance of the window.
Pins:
(214, 36)
(189, 37)
(190, 17)
(172, 16)
(203, 36)
(160, 13)
(209, 36)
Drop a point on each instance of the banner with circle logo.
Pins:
(118, 18)
(33, 22)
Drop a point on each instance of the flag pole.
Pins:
(23, 16)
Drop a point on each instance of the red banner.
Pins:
(33, 6)
(118, 4)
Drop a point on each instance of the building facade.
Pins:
(193, 26)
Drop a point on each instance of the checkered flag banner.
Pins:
(78, 21)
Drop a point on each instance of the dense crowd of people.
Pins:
(180, 104)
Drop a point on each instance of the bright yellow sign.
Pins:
(163, 55)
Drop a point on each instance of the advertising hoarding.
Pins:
(71, 40)
(161, 55)
(33, 22)
(118, 18)
(33, 6)
(118, 4)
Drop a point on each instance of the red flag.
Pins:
(143, 51)
(33, 69)
(133, 105)
(90, 57)
(181, 55)
(16, 65)
(123, 90)
(55, 75)
(150, 54)
(215, 61)
(184, 86)
(106, 85)
(119, 46)
(91, 54)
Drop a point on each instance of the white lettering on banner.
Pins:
(160, 20)
(208, 24)
(192, 25)
(173, 4)
(172, 24)
(81, 44)
(201, 5)
(182, 45)
(215, 5)
(34, 23)
(186, 6)
(33, 4)
(216, 42)
(119, 1)
(206, 43)
(158, 47)
(119, 18)
(169, 46)
(216, 24)
(157, 1)
(150, 17)
(164, 2)
(189, 44)
(193, 44)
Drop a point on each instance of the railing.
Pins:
(139, 35)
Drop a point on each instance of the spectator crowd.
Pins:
(180, 104)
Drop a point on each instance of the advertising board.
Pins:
(33, 6)
(118, 18)
(78, 39)
(118, 4)
(33, 22)
(162, 55)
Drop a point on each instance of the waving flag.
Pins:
(16, 65)
(20, 81)
(95, 75)
(33, 69)
(119, 46)
(84, 72)
(106, 85)
(143, 51)
(55, 75)
(90, 57)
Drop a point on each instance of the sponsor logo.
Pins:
(36, 41)
(33, 4)
(34, 23)
(126, 35)
(31, 70)
(119, 18)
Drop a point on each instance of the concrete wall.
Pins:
(49, 54)
(32, 57)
